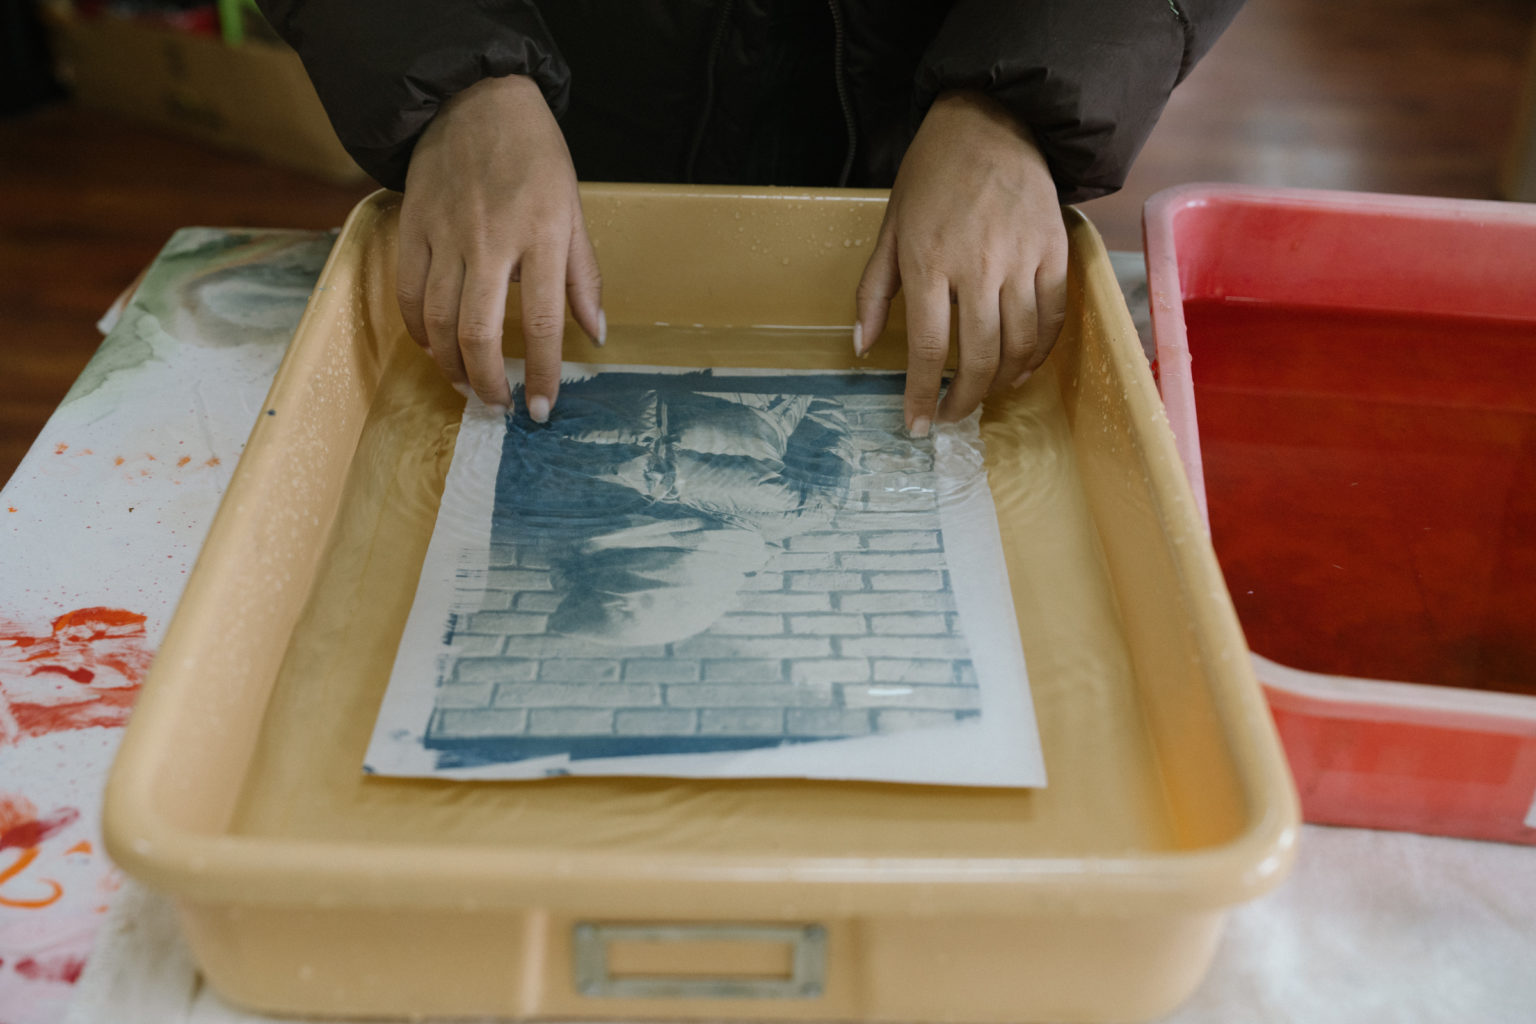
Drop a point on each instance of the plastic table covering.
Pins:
(102, 521)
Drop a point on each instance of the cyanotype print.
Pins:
(686, 568)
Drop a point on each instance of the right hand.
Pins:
(490, 197)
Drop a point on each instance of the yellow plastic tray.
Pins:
(306, 887)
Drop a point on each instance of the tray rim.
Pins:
(207, 867)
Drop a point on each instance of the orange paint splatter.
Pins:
(117, 461)
(150, 457)
(21, 829)
(83, 846)
(213, 461)
(60, 448)
(10, 508)
(20, 864)
(86, 451)
(183, 461)
(84, 672)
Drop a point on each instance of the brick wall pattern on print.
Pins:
(848, 631)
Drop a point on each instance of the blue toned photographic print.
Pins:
(681, 564)
(712, 574)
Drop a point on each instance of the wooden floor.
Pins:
(1414, 96)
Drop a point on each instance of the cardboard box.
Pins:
(253, 99)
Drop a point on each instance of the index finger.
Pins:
(927, 347)
(543, 302)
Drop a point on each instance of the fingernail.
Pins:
(602, 328)
(858, 340)
(920, 426)
(1021, 378)
(464, 389)
(538, 409)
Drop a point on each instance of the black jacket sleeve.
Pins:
(1089, 77)
(382, 69)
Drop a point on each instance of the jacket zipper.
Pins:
(844, 103)
(842, 94)
(716, 44)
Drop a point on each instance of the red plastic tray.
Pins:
(1364, 369)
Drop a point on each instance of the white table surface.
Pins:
(110, 507)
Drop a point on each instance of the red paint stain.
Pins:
(15, 810)
(117, 461)
(183, 461)
(64, 967)
(212, 462)
(27, 830)
(79, 675)
(84, 672)
(60, 448)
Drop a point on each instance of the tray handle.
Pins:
(592, 944)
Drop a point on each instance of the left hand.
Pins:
(973, 220)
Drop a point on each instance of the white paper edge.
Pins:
(1001, 749)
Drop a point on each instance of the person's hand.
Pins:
(972, 219)
(490, 197)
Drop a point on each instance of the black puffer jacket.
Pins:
(786, 92)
